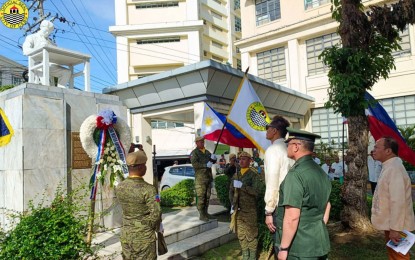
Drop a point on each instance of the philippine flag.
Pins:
(380, 124)
(212, 126)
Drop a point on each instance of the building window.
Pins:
(329, 126)
(157, 124)
(236, 4)
(238, 26)
(400, 109)
(16, 80)
(160, 40)
(271, 65)
(216, 58)
(156, 5)
(309, 4)
(217, 44)
(405, 44)
(267, 11)
(238, 64)
(315, 47)
(216, 15)
(238, 50)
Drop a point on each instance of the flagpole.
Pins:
(220, 135)
(226, 120)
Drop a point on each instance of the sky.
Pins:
(87, 33)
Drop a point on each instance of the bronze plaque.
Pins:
(80, 159)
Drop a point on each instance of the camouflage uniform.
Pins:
(246, 200)
(141, 218)
(203, 180)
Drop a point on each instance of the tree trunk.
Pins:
(355, 214)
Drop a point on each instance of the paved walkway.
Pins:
(108, 243)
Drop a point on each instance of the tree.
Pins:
(368, 40)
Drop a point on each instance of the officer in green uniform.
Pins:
(141, 211)
(202, 161)
(243, 193)
(230, 168)
(304, 207)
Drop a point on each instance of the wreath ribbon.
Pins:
(97, 168)
(119, 148)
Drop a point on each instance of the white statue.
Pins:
(40, 39)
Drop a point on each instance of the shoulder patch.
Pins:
(157, 198)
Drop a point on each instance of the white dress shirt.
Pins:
(374, 167)
(276, 166)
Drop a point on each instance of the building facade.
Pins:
(10, 72)
(281, 42)
(160, 35)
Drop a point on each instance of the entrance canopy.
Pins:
(208, 81)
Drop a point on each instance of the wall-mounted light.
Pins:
(137, 139)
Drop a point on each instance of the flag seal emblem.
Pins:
(257, 116)
(14, 14)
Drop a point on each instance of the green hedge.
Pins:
(222, 183)
(182, 194)
(48, 232)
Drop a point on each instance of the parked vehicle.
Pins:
(174, 174)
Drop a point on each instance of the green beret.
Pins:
(300, 135)
(136, 158)
(244, 154)
(199, 138)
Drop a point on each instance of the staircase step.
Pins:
(200, 243)
(194, 226)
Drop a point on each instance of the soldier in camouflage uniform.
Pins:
(202, 161)
(243, 193)
(141, 211)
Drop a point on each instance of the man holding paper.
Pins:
(392, 202)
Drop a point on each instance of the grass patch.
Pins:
(343, 246)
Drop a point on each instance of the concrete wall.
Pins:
(39, 156)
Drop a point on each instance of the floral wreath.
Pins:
(102, 137)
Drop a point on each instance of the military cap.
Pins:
(300, 135)
(232, 155)
(244, 154)
(199, 138)
(135, 158)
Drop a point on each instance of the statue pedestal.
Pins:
(44, 151)
(40, 60)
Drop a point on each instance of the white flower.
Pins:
(105, 167)
(101, 161)
(115, 183)
(99, 174)
(87, 134)
(112, 148)
(106, 150)
(111, 164)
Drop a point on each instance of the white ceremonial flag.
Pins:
(249, 116)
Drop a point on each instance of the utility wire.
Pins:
(98, 56)
(105, 53)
